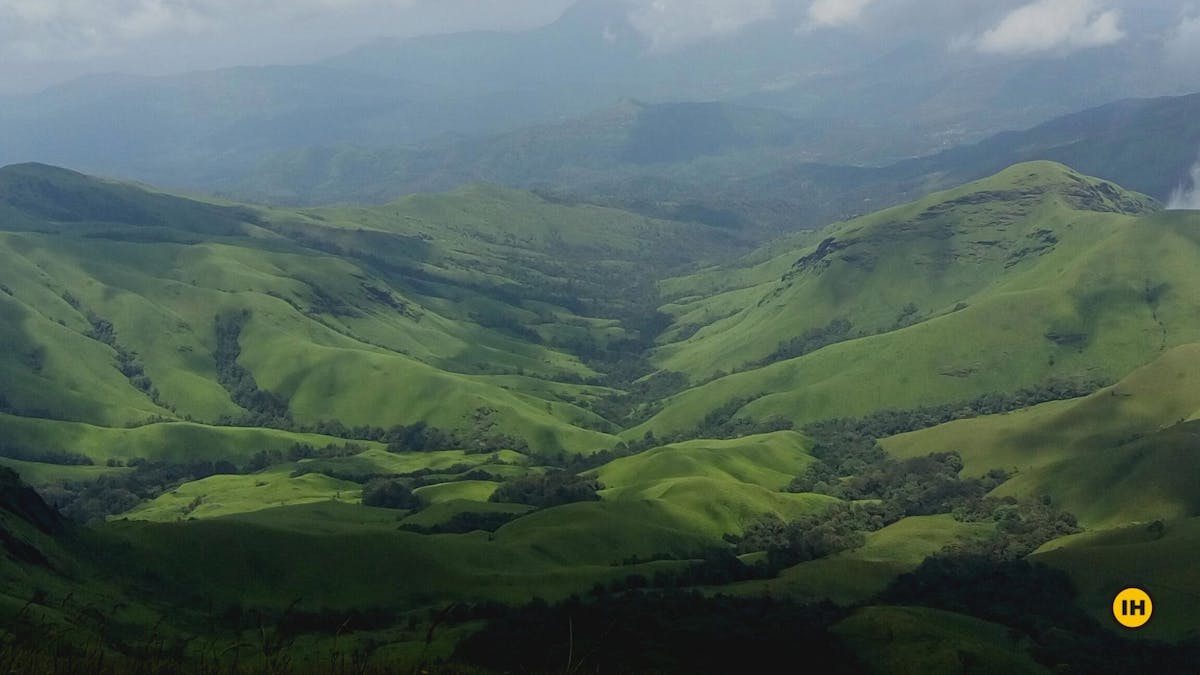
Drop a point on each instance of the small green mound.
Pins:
(934, 642)
(227, 495)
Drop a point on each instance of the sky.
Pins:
(43, 42)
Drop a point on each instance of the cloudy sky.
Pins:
(46, 41)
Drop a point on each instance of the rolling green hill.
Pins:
(1133, 442)
(399, 415)
(912, 639)
(1122, 460)
(468, 312)
(1035, 274)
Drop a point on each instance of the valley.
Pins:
(379, 432)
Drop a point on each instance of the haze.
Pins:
(43, 42)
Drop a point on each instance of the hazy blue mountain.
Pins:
(1147, 145)
(708, 161)
(890, 98)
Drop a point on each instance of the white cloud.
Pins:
(1187, 197)
(836, 12)
(1049, 25)
(671, 24)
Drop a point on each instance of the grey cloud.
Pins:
(1183, 47)
(41, 40)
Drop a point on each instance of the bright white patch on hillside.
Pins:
(1187, 197)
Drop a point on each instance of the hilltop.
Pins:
(1037, 273)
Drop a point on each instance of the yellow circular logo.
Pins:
(1132, 607)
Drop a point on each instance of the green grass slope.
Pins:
(922, 640)
(468, 311)
(337, 555)
(176, 442)
(766, 460)
(1124, 454)
(1160, 560)
(1037, 273)
(935, 253)
(855, 576)
(721, 486)
(226, 495)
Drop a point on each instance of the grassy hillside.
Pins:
(469, 312)
(1123, 461)
(379, 421)
(858, 575)
(1130, 442)
(913, 639)
(1035, 274)
(1156, 557)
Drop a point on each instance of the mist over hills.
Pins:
(892, 98)
(707, 162)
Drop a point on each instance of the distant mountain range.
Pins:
(884, 99)
(733, 166)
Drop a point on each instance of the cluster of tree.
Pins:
(1039, 603)
(852, 466)
(263, 408)
(713, 567)
(574, 463)
(1022, 526)
(264, 459)
(884, 423)
(657, 632)
(841, 527)
(102, 330)
(553, 488)
(642, 397)
(112, 494)
(95, 500)
(412, 479)
(390, 493)
(810, 341)
(464, 522)
(419, 437)
(919, 486)
(908, 316)
(721, 422)
(45, 456)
